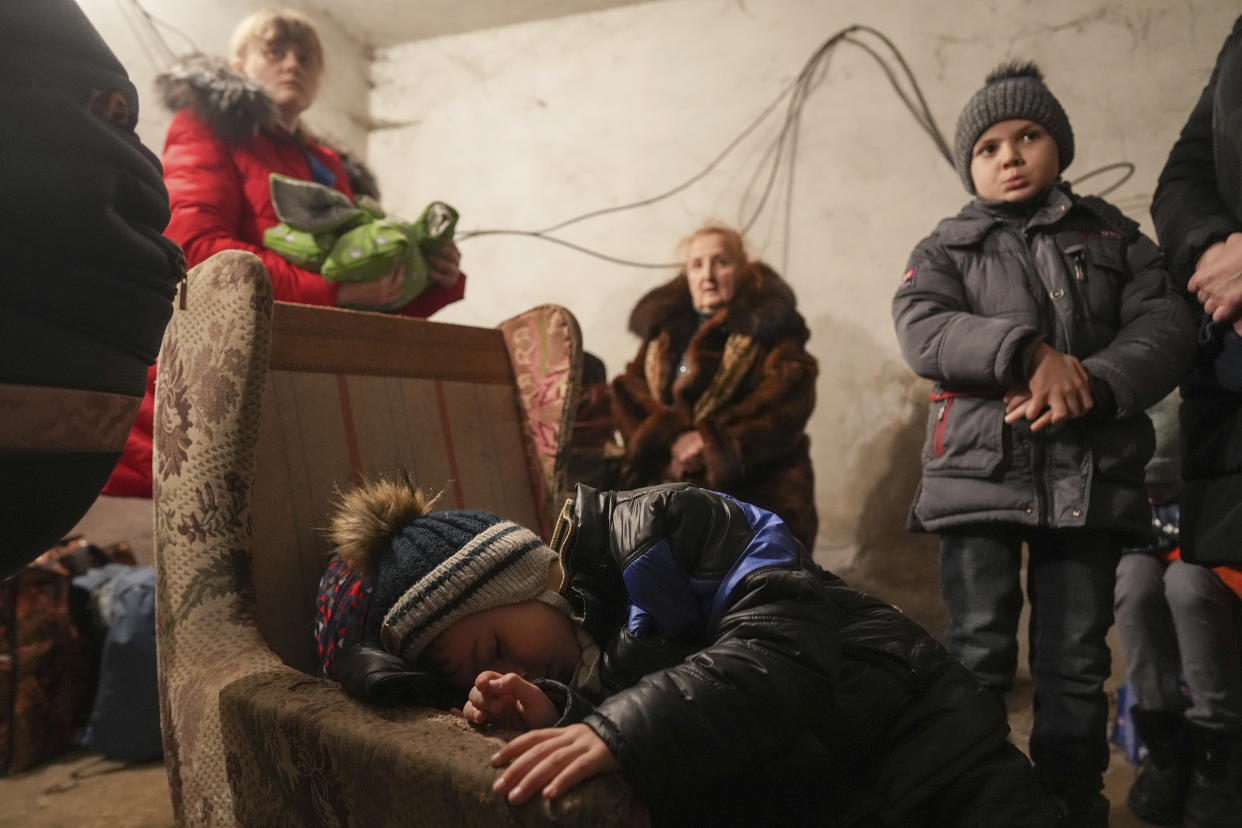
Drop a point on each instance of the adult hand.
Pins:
(444, 267)
(1059, 383)
(554, 760)
(1217, 281)
(686, 455)
(374, 294)
(510, 701)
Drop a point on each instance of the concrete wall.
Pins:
(341, 111)
(524, 126)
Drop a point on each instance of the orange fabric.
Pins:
(1230, 575)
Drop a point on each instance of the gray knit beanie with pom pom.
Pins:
(1012, 90)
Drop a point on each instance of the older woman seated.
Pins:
(722, 387)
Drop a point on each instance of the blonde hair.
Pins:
(272, 25)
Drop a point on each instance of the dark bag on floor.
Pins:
(125, 719)
(46, 666)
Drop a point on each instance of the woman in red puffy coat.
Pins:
(235, 125)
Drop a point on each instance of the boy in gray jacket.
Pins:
(1049, 325)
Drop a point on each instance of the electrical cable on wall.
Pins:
(784, 146)
(782, 149)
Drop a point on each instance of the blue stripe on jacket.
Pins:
(668, 602)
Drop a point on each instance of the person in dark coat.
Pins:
(687, 640)
(1049, 325)
(722, 387)
(1180, 626)
(1197, 211)
(87, 278)
(236, 123)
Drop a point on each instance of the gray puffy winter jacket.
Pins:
(979, 294)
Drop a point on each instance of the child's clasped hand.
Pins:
(508, 700)
(554, 759)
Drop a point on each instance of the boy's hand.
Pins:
(1059, 383)
(554, 760)
(1217, 281)
(510, 701)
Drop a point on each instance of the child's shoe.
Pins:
(1082, 810)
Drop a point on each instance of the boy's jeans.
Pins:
(1175, 620)
(1070, 578)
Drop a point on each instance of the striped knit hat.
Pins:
(433, 568)
(1012, 90)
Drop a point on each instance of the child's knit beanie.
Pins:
(1012, 90)
(431, 569)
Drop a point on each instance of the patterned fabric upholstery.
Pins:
(247, 739)
(545, 346)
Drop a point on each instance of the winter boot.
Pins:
(1215, 796)
(1082, 810)
(1158, 794)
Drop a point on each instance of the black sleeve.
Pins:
(574, 706)
(1187, 210)
(1155, 345)
(943, 340)
(765, 675)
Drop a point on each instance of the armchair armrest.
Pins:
(299, 751)
(545, 349)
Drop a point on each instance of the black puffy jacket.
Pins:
(1198, 202)
(747, 683)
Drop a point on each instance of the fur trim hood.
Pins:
(236, 108)
(765, 309)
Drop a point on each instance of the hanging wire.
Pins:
(1118, 165)
(154, 25)
(782, 149)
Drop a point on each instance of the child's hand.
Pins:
(554, 760)
(508, 700)
(1059, 383)
(1015, 398)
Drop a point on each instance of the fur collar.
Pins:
(237, 109)
(766, 311)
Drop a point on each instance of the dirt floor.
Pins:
(85, 790)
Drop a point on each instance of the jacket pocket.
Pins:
(965, 435)
(1100, 270)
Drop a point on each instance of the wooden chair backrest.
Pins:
(352, 394)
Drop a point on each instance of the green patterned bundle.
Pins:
(322, 230)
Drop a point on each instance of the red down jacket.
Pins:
(217, 163)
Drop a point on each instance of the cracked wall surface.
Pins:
(525, 126)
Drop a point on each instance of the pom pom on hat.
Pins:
(367, 518)
(433, 568)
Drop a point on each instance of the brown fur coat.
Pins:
(749, 390)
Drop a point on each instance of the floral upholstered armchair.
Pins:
(263, 411)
